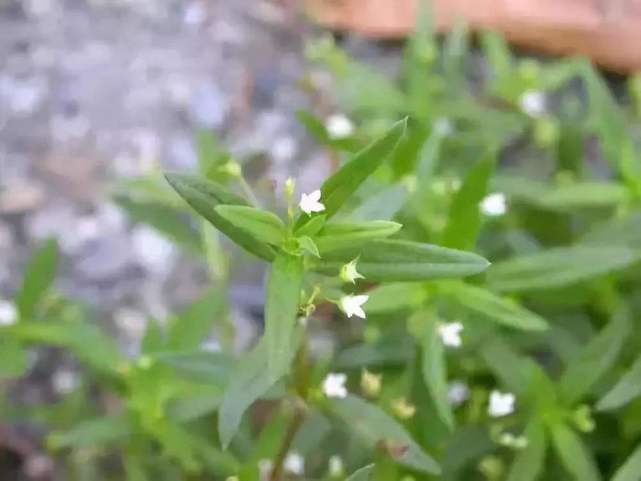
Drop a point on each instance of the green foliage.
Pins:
(429, 342)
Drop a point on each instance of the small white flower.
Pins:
(294, 463)
(457, 393)
(64, 381)
(450, 333)
(501, 404)
(533, 103)
(494, 204)
(311, 202)
(334, 385)
(351, 305)
(336, 468)
(8, 313)
(349, 273)
(339, 126)
(443, 127)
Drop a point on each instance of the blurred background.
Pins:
(96, 95)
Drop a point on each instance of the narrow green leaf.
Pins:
(625, 390)
(558, 267)
(260, 224)
(84, 340)
(374, 426)
(507, 365)
(496, 308)
(362, 474)
(307, 244)
(395, 296)
(594, 360)
(395, 260)
(312, 227)
(573, 454)
(249, 381)
(190, 328)
(529, 462)
(631, 469)
(335, 236)
(584, 194)
(382, 205)
(337, 188)
(211, 368)
(618, 231)
(204, 196)
(93, 433)
(464, 219)
(390, 350)
(38, 277)
(283, 292)
(13, 358)
(434, 369)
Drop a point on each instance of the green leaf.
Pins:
(260, 224)
(374, 426)
(93, 433)
(307, 244)
(206, 367)
(529, 462)
(382, 205)
(395, 260)
(344, 182)
(189, 329)
(281, 311)
(204, 196)
(464, 219)
(312, 227)
(362, 474)
(38, 277)
(395, 296)
(249, 381)
(392, 350)
(625, 390)
(619, 231)
(573, 454)
(510, 368)
(434, 368)
(594, 360)
(584, 194)
(558, 267)
(344, 235)
(13, 358)
(84, 340)
(496, 308)
(168, 221)
(631, 469)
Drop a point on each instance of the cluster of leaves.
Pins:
(551, 321)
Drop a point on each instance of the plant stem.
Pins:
(296, 423)
(301, 384)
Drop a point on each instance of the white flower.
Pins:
(8, 313)
(64, 381)
(311, 202)
(349, 273)
(294, 463)
(494, 205)
(450, 333)
(334, 385)
(338, 126)
(501, 404)
(457, 393)
(532, 103)
(351, 305)
(336, 468)
(443, 127)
